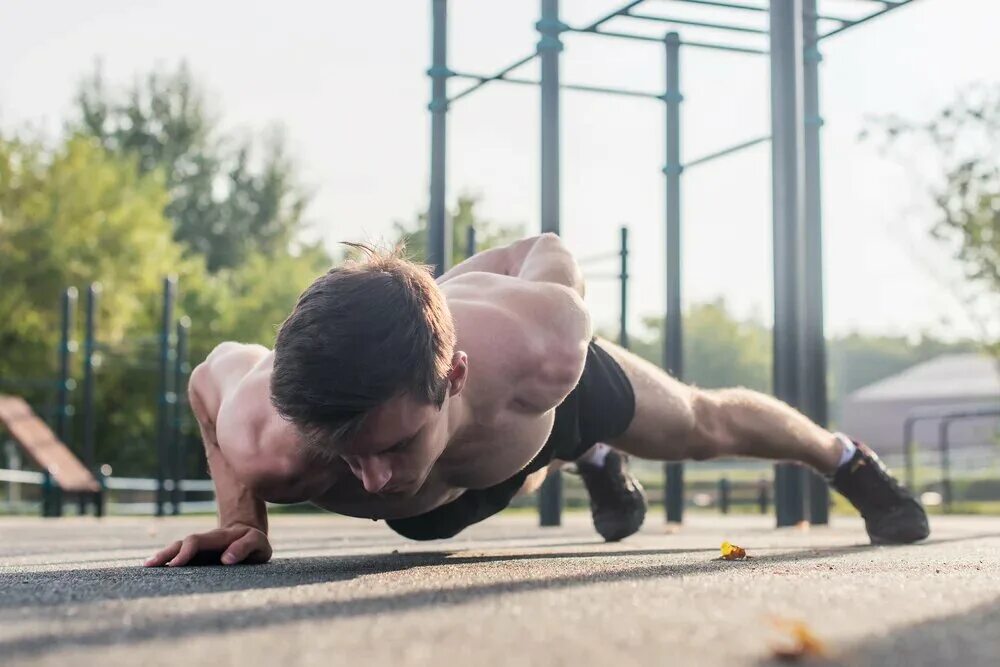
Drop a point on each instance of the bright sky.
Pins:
(347, 81)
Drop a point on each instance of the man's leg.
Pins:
(674, 421)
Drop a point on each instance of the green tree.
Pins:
(719, 350)
(462, 217)
(73, 216)
(964, 140)
(227, 197)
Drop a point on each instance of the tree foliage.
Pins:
(461, 218)
(228, 198)
(964, 140)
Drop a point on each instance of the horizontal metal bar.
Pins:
(567, 86)
(725, 5)
(659, 40)
(611, 91)
(827, 17)
(620, 35)
(617, 12)
(21, 476)
(611, 254)
(885, 10)
(727, 151)
(697, 24)
(499, 75)
(725, 47)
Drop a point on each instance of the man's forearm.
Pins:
(236, 502)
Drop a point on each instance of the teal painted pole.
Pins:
(181, 371)
(165, 396)
(549, 47)
(673, 342)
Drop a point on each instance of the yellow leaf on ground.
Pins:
(800, 642)
(733, 552)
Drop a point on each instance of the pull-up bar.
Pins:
(792, 36)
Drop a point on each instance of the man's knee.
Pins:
(712, 433)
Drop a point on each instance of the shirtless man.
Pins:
(431, 404)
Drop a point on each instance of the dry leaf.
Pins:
(733, 552)
(800, 644)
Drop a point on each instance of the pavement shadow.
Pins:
(68, 586)
(26, 590)
(969, 638)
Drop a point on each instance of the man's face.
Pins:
(398, 443)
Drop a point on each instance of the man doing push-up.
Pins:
(431, 404)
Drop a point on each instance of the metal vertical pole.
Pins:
(549, 47)
(787, 195)
(470, 241)
(909, 453)
(813, 356)
(51, 493)
(66, 348)
(438, 239)
(89, 381)
(181, 370)
(165, 401)
(947, 495)
(673, 344)
(623, 284)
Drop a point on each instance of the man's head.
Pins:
(363, 365)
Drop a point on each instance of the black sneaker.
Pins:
(617, 501)
(892, 515)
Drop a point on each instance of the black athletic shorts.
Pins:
(599, 408)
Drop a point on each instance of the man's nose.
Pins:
(373, 471)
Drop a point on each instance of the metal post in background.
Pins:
(438, 239)
(51, 493)
(623, 285)
(181, 371)
(673, 344)
(791, 500)
(470, 241)
(89, 381)
(813, 357)
(725, 494)
(64, 413)
(947, 492)
(910, 453)
(90, 361)
(549, 48)
(165, 400)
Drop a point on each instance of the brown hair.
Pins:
(366, 331)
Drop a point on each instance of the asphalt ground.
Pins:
(350, 592)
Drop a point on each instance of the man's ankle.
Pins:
(848, 448)
(596, 455)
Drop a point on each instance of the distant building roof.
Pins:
(950, 376)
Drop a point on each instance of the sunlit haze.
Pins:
(347, 82)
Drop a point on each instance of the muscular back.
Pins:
(525, 344)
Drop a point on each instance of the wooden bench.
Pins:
(44, 448)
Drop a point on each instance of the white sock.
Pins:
(849, 448)
(596, 454)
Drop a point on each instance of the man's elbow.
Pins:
(274, 482)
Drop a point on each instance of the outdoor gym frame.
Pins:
(793, 35)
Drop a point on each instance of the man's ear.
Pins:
(458, 374)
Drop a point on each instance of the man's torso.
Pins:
(497, 436)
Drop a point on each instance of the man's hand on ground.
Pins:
(235, 544)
